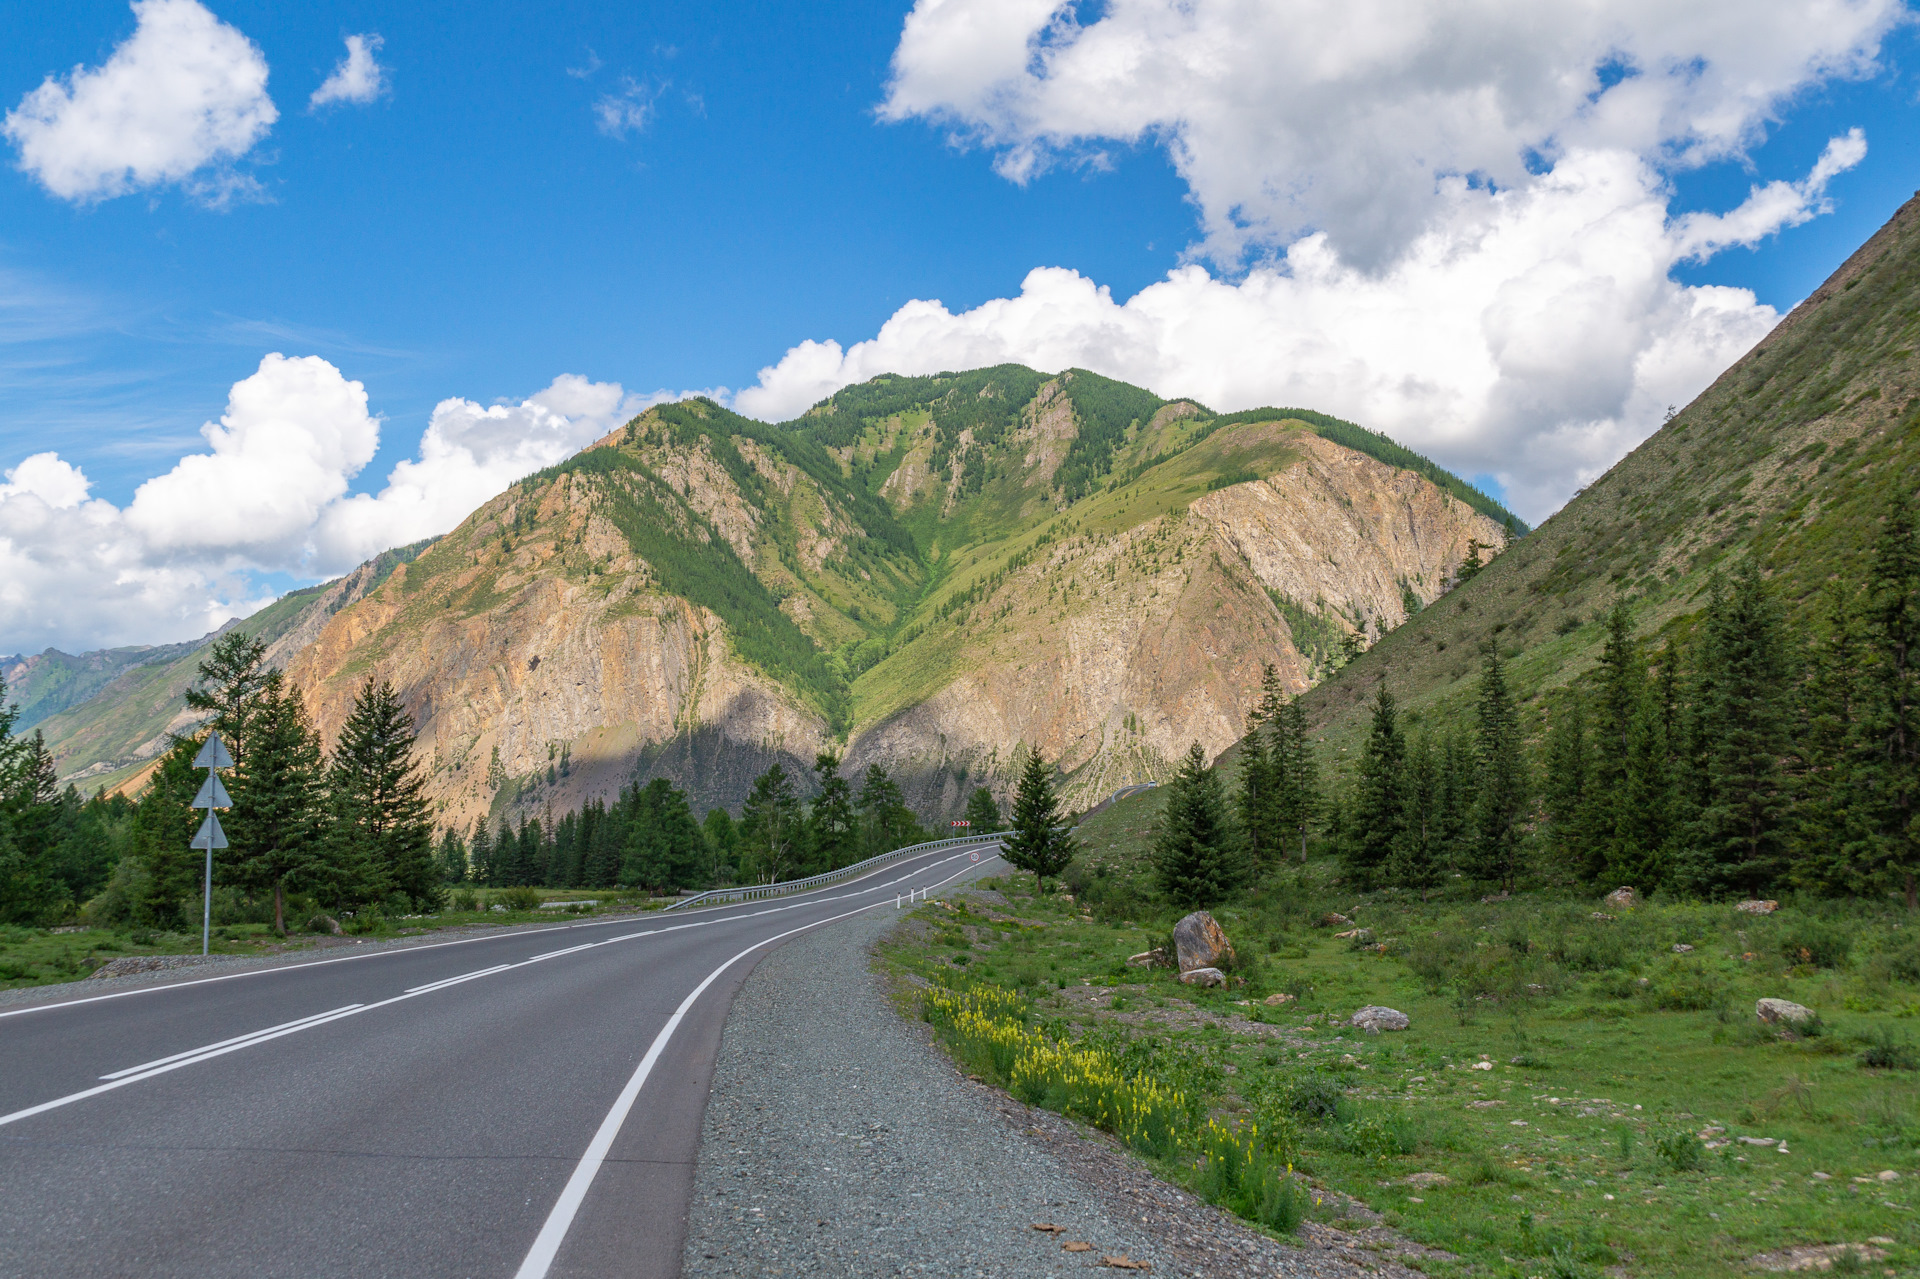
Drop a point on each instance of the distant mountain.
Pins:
(1791, 456)
(934, 574)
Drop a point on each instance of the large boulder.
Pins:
(1373, 1019)
(1621, 899)
(1782, 1012)
(1201, 942)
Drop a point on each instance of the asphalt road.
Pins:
(522, 1104)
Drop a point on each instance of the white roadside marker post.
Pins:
(212, 757)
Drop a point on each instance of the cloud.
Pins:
(270, 495)
(625, 112)
(1533, 334)
(358, 78)
(1450, 223)
(184, 92)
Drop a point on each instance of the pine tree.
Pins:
(482, 854)
(168, 876)
(231, 676)
(1036, 844)
(29, 809)
(601, 868)
(1739, 832)
(1828, 836)
(983, 814)
(1887, 754)
(1502, 768)
(831, 825)
(1620, 686)
(275, 826)
(1566, 789)
(1263, 763)
(1194, 858)
(452, 857)
(770, 828)
(1453, 823)
(1380, 802)
(380, 816)
(665, 850)
(1417, 862)
(1296, 776)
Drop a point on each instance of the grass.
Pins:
(1558, 1073)
(48, 956)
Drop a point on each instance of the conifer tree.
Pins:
(1379, 803)
(482, 847)
(1194, 858)
(1501, 802)
(1566, 788)
(30, 892)
(770, 827)
(887, 821)
(1738, 841)
(1036, 844)
(1620, 686)
(601, 867)
(1826, 841)
(1887, 758)
(275, 827)
(1296, 776)
(1417, 861)
(831, 822)
(376, 792)
(452, 857)
(1453, 821)
(169, 873)
(231, 674)
(1262, 768)
(723, 843)
(983, 814)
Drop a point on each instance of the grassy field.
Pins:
(1574, 1096)
(42, 956)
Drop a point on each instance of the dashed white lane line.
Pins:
(806, 899)
(165, 1065)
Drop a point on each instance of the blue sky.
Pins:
(674, 197)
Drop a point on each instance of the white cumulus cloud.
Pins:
(270, 495)
(1457, 216)
(358, 78)
(184, 92)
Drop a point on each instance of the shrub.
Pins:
(1680, 1151)
(518, 898)
(463, 900)
(1247, 1174)
(1380, 1137)
(1883, 1053)
(1316, 1096)
(1815, 942)
(1682, 989)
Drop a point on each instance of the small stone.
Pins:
(1201, 942)
(1374, 1018)
(1425, 1179)
(1483, 1065)
(1776, 1011)
(1274, 1001)
(1681, 948)
(1333, 919)
(1888, 1175)
(1203, 977)
(1623, 898)
(1148, 958)
(1758, 907)
(1601, 914)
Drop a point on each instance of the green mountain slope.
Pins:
(1790, 457)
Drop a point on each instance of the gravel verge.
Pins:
(840, 1140)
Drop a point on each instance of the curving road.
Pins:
(521, 1104)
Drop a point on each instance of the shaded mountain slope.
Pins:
(1791, 457)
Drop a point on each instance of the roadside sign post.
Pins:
(213, 757)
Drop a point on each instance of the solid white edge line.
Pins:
(251, 1034)
(546, 1245)
(798, 900)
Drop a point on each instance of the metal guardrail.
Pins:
(758, 892)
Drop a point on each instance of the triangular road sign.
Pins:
(210, 836)
(212, 794)
(213, 754)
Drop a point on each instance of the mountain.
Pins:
(106, 715)
(1791, 456)
(936, 574)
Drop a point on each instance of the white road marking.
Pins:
(166, 1065)
(802, 899)
(546, 1245)
(252, 1034)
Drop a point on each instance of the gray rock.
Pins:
(1373, 1019)
(1155, 958)
(1622, 898)
(1204, 977)
(1777, 1011)
(1201, 942)
(1757, 907)
(1681, 948)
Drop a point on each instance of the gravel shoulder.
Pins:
(839, 1140)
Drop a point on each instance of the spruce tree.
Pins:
(1296, 776)
(1887, 756)
(379, 811)
(1503, 796)
(1620, 686)
(1262, 769)
(168, 877)
(1036, 845)
(1453, 823)
(482, 854)
(1380, 803)
(30, 891)
(1566, 790)
(601, 867)
(831, 824)
(886, 820)
(275, 828)
(983, 814)
(231, 675)
(1828, 840)
(1739, 831)
(1417, 862)
(1194, 858)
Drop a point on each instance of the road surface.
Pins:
(515, 1105)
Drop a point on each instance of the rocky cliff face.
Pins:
(937, 575)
